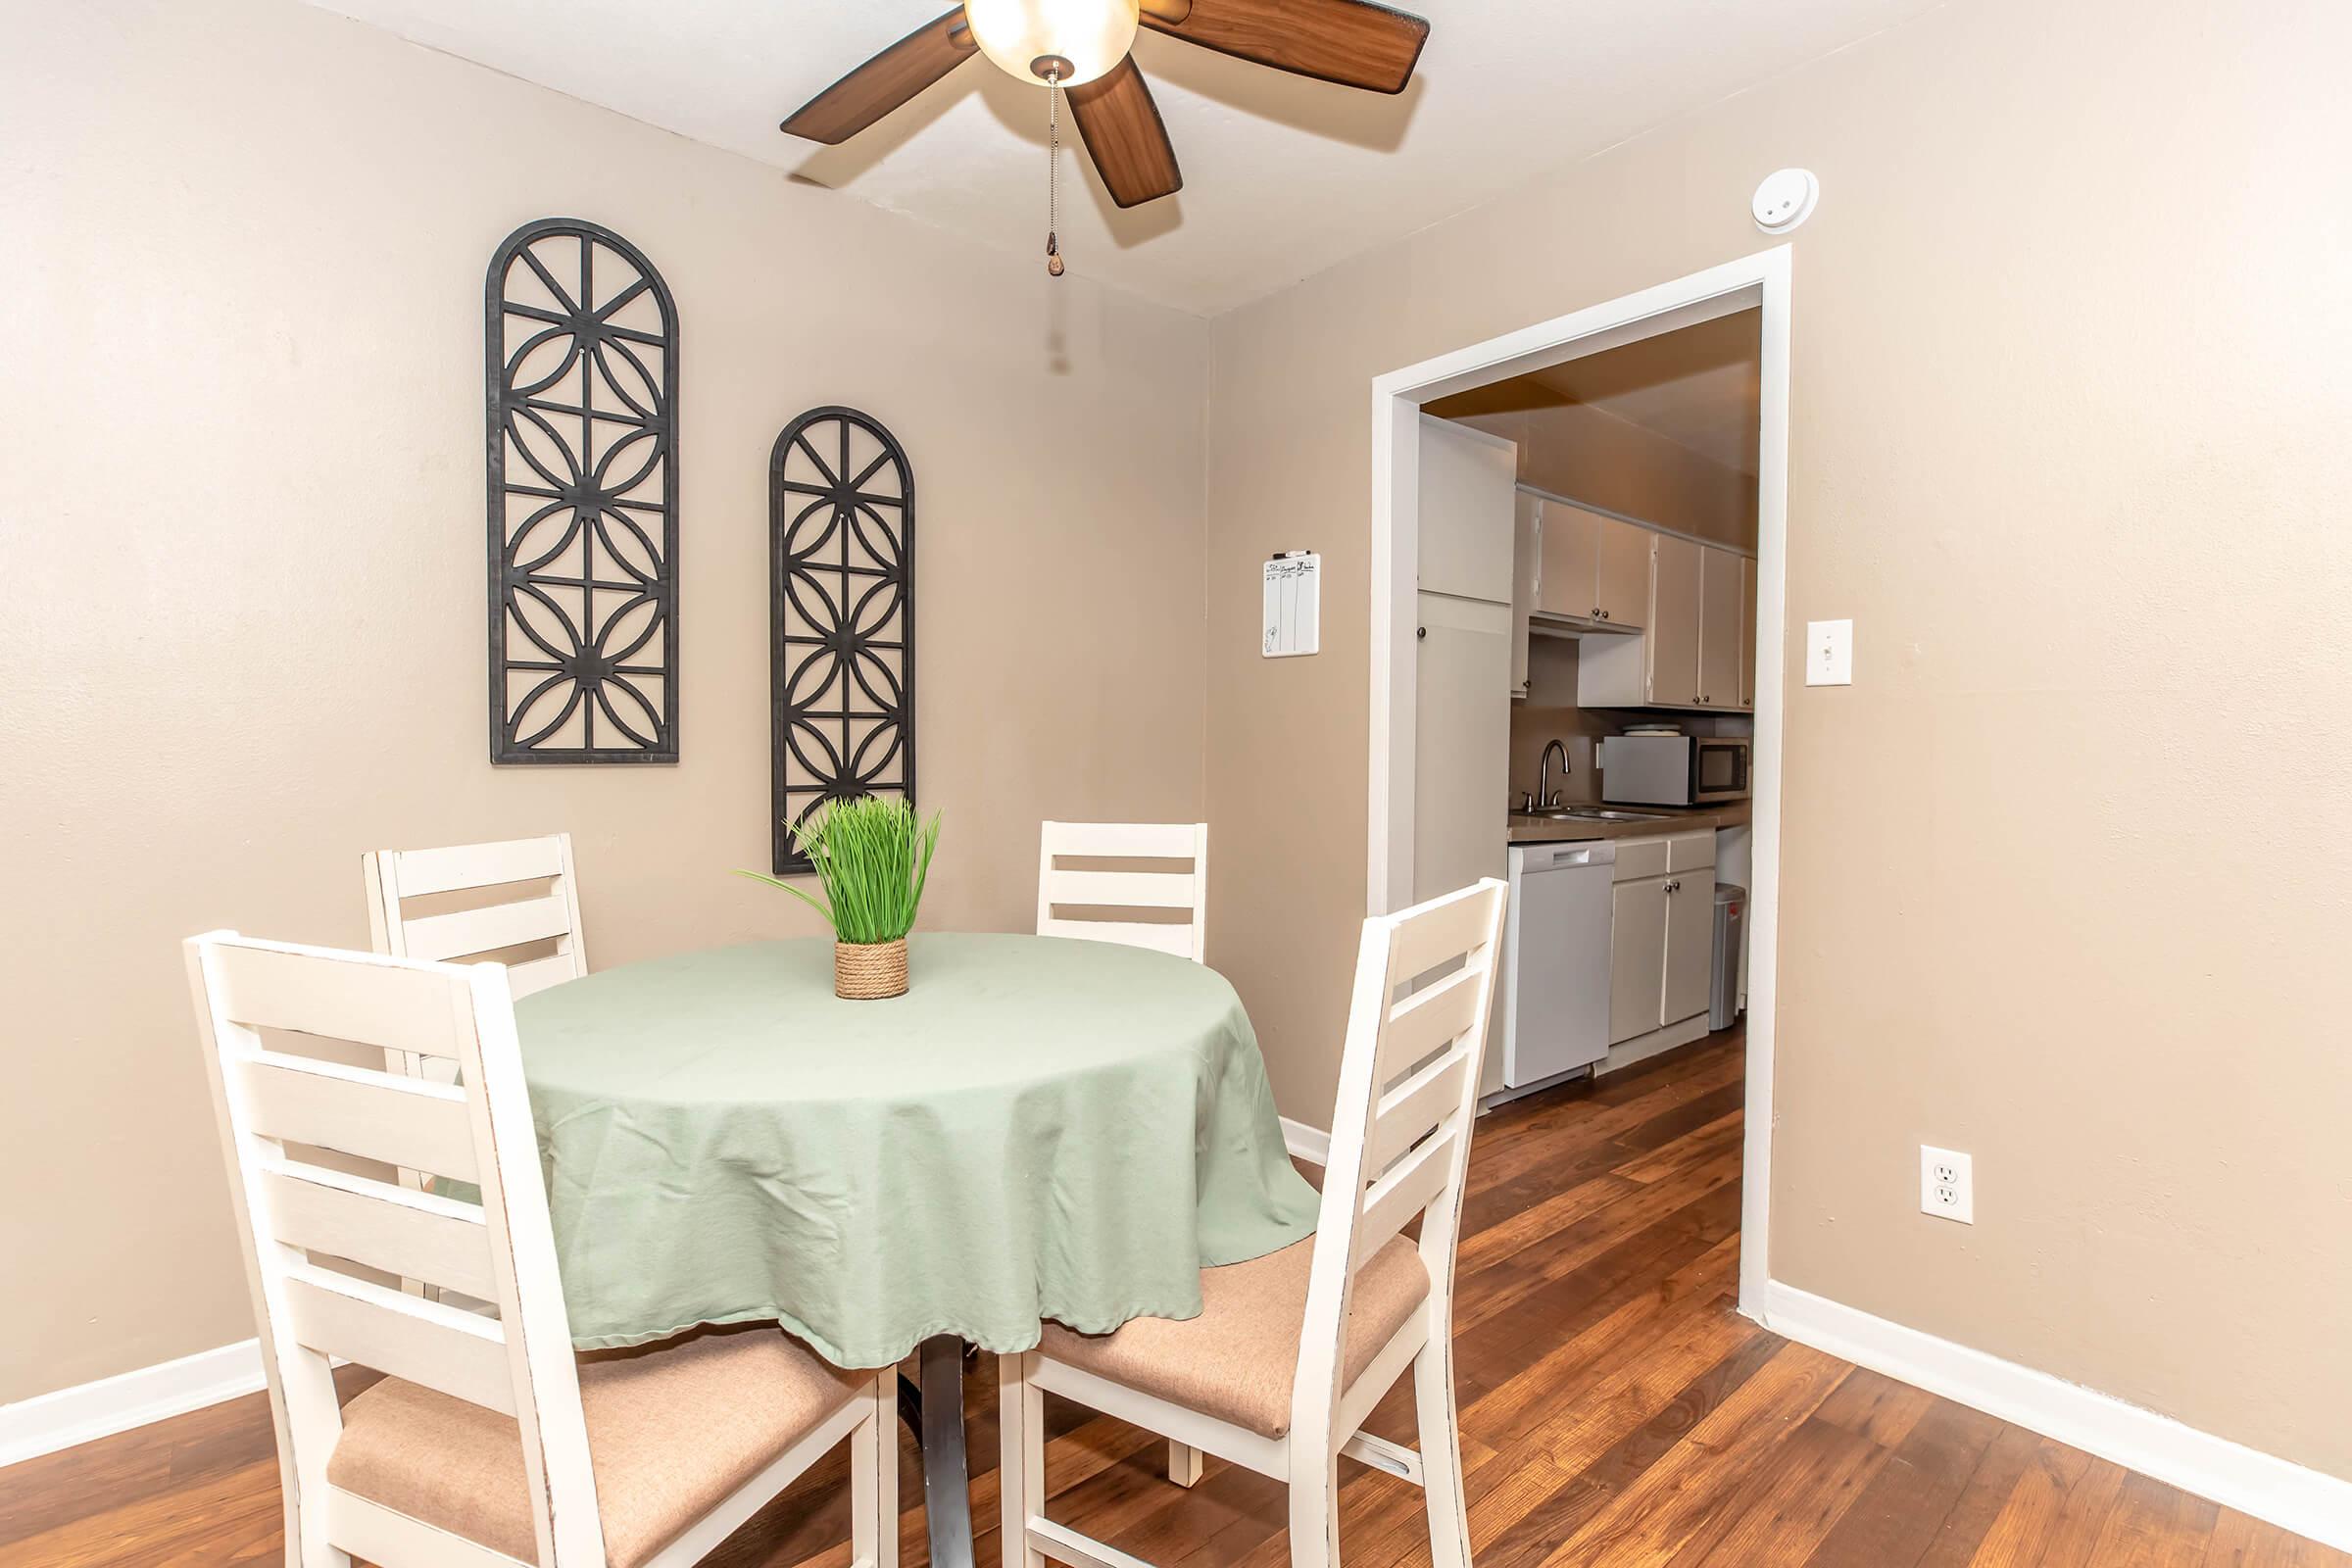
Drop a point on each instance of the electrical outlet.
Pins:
(1947, 1184)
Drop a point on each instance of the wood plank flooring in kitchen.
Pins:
(1616, 1413)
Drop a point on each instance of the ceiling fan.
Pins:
(1081, 47)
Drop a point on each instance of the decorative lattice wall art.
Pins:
(841, 550)
(582, 354)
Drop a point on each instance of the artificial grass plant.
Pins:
(871, 856)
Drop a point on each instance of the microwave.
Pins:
(1673, 770)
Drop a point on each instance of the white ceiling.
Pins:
(1283, 176)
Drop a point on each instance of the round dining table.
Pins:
(1039, 1128)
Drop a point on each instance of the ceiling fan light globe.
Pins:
(1093, 35)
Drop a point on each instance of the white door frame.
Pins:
(1761, 280)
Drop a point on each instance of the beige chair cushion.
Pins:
(674, 1430)
(1237, 1360)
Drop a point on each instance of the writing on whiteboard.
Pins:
(1293, 600)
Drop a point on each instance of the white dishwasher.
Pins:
(1555, 960)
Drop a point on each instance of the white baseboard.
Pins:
(1311, 1144)
(48, 1422)
(2307, 1502)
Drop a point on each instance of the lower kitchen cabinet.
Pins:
(1661, 934)
(1690, 942)
(1636, 958)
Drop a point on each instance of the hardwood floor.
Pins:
(1616, 1413)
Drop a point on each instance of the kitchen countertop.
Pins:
(1673, 819)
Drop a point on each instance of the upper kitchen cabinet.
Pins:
(1526, 555)
(1469, 499)
(1623, 587)
(1596, 568)
(1697, 629)
(1748, 632)
(1568, 585)
(1722, 613)
(1675, 591)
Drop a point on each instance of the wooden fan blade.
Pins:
(1124, 135)
(1355, 44)
(886, 81)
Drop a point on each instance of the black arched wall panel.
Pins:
(582, 357)
(841, 585)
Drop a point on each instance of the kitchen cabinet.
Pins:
(1636, 958)
(1595, 568)
(1569, 582)
(1526, 560)
(1671, 640)
(1469, 493)
(1661, 932)
(1722, 610)
(1689, 943)
(1461, 743)
(1622, 584)
(1748, 632)
(1696, 645)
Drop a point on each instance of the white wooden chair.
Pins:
(535, 916)
(1293, 1352)
(394, 876)
(1064, 889)
(1060, 888)
(486, 1445)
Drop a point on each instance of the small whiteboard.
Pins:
(1294, 605)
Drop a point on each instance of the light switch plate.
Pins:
(1829, 653)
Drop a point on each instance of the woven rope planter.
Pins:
(868, 972)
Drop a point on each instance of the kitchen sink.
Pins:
(1593, 813)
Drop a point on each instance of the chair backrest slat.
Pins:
(1400, 1129)
(407, 1122)
(1428, 1021)
(481, 865)
(396, 1009)
(1408, 1112)
(501, 926)
(1177, 940)
(1435, 933)
(412, 1233)
(302, 1217)
(460, 1353)
(537, 974)
(1397, 1199)
(1063, 891)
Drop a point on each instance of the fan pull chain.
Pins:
(1054, 265)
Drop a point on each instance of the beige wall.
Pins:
(241, 535)
(2067, 882)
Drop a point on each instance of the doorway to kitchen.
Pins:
(1425, 628)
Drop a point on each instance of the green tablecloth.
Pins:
(1039, 1128)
